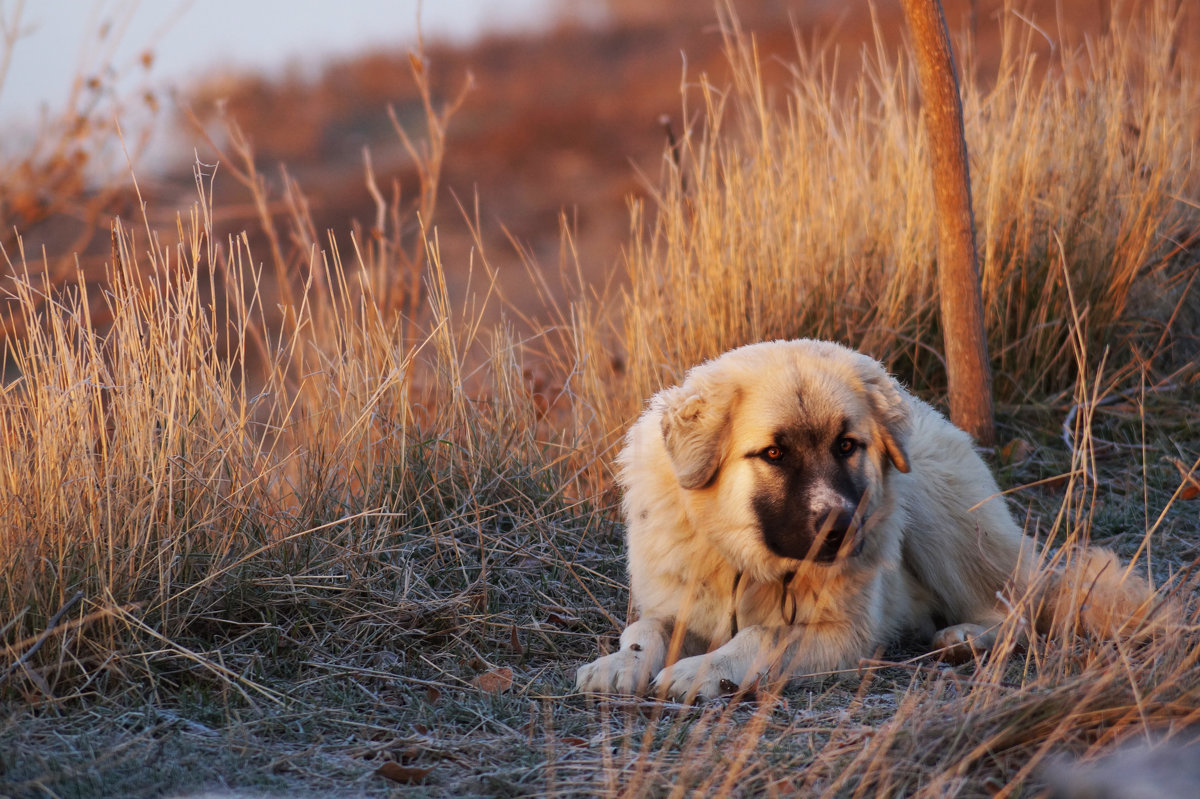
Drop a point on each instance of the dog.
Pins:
(791, 508)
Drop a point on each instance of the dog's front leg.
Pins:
(628, 671)
(737, 664)
(776, 652)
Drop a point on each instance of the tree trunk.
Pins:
(969, 375)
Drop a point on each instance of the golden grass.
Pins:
(808, 212)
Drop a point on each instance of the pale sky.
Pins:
(59, 39)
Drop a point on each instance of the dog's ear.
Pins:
(695, 427)
(889, 408)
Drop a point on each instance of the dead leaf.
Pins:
(432, 695)
(495, 681)
(405, 775)
(1016, 451)
(1191, 485)
(559, 616)
(515, 642)
(577, 742)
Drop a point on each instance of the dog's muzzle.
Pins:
(840, 536)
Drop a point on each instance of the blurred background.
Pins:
(566, 110)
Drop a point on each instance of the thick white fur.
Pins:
(938, 541)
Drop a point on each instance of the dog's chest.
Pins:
(813, 598)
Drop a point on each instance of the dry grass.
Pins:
(809, 212)
(278, 554)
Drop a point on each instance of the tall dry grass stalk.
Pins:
(807, 211)
(183, 465)
(235, 446)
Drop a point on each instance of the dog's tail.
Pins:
(1090, 592)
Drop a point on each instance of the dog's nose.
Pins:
(836, 524)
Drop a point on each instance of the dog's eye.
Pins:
(847, 447)
(773, 453)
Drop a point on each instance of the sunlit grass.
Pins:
(806, 211)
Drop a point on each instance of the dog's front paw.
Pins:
(623, 672)
(698, 678)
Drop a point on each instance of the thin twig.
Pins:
(50, 629)
(1068, 423)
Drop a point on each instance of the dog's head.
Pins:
(785, 448)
